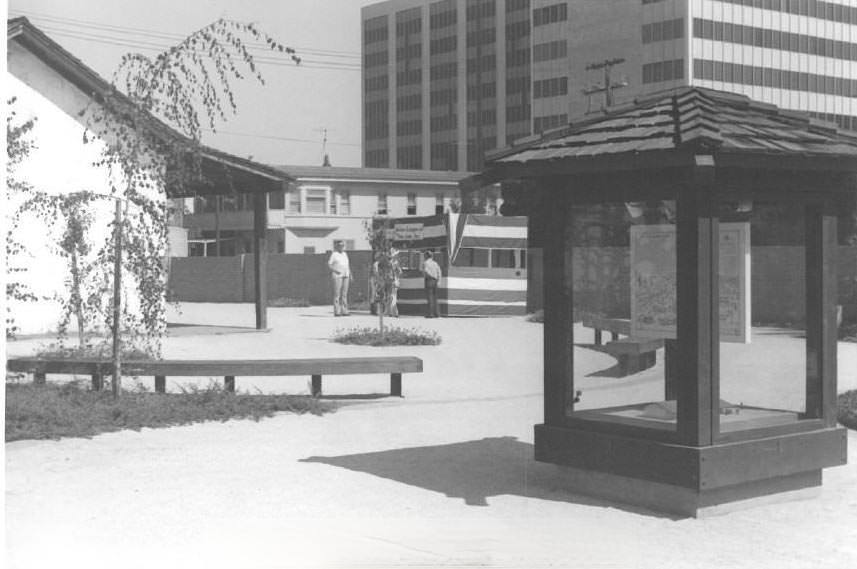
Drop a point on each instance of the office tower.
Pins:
(447, 80)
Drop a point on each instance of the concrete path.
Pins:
(443, 477)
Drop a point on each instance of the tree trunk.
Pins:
(77, 298)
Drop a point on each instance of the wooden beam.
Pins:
(260, 255)
(558, 308)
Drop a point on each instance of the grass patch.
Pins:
(847, 409)
(284, 301)
(393, 336)
(52, 411)
(98, 351)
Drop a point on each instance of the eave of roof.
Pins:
(84, 78)
(362, 174)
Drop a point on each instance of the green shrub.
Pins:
(393, 336)
(847, 409)
(52, 411)
(103, 350)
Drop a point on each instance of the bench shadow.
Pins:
(473, 471)
(356, 396)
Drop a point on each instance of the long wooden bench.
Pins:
(634, 355)
(615, 326)
(228, 369)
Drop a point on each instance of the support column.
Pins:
(697, 307)
(260, 255)
(821, 327)
(558, 332)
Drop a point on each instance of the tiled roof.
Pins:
(690, 118)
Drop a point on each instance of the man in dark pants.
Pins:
(432, 274)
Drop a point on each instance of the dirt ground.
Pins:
(443, 477)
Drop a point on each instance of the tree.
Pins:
(185, 87)
(385, 268)
(18, 146)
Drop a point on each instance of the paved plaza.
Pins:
(442, 477)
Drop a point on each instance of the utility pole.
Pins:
(608, 86)
(323, 131)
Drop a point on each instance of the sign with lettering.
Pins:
(653, 281)
(407, 231)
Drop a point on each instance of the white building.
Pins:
(324, 204)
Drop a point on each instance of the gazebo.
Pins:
(645, 215)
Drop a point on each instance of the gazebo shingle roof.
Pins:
(688, 118)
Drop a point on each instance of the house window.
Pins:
(317, 200)
(503, 258)
(277, 200)
(294, 202)
(333, 200)
(438, 204)
(349, 244)
(309, 250)
(344, 203)
(382, 204)
(412, 204)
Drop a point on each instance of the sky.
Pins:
(281, 122)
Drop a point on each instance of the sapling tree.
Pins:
(385, 267)
(150, 123)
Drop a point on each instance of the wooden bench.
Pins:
(634, 355)
(615, 326)
(228, 369)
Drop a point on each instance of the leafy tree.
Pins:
(385, 268)
(19, 143)
(185, 87)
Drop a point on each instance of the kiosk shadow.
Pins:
(472, 471)
(613, 371)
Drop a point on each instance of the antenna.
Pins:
(608, 86)
(323, 131)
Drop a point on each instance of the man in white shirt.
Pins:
(340, 273)
(432, 274)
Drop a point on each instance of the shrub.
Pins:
(847, 409)
(537, 316)
(103, 350)
(392, 336)
(53, 410)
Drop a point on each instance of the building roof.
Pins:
(23, 32)
(363, 174)
(671, 126)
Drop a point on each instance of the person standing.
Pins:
(340, 273)
(432, 274)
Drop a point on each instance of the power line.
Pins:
(126, 30)
(284, 138)
(153, 46)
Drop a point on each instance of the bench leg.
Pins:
(597, 336)
(229, 383)
(97, 382)
(160, 384)
(316, 386)
(614, 336)
(39, 378)
(396, 384)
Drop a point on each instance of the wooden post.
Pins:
(229, 383)
(598, 336)
(821, 327)
(39, 378)
(316, 386)
(697, 307)
(260, 255)
(558, 331)
(396, 384)
(117, 300)
(97, 381)
(160, 384)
